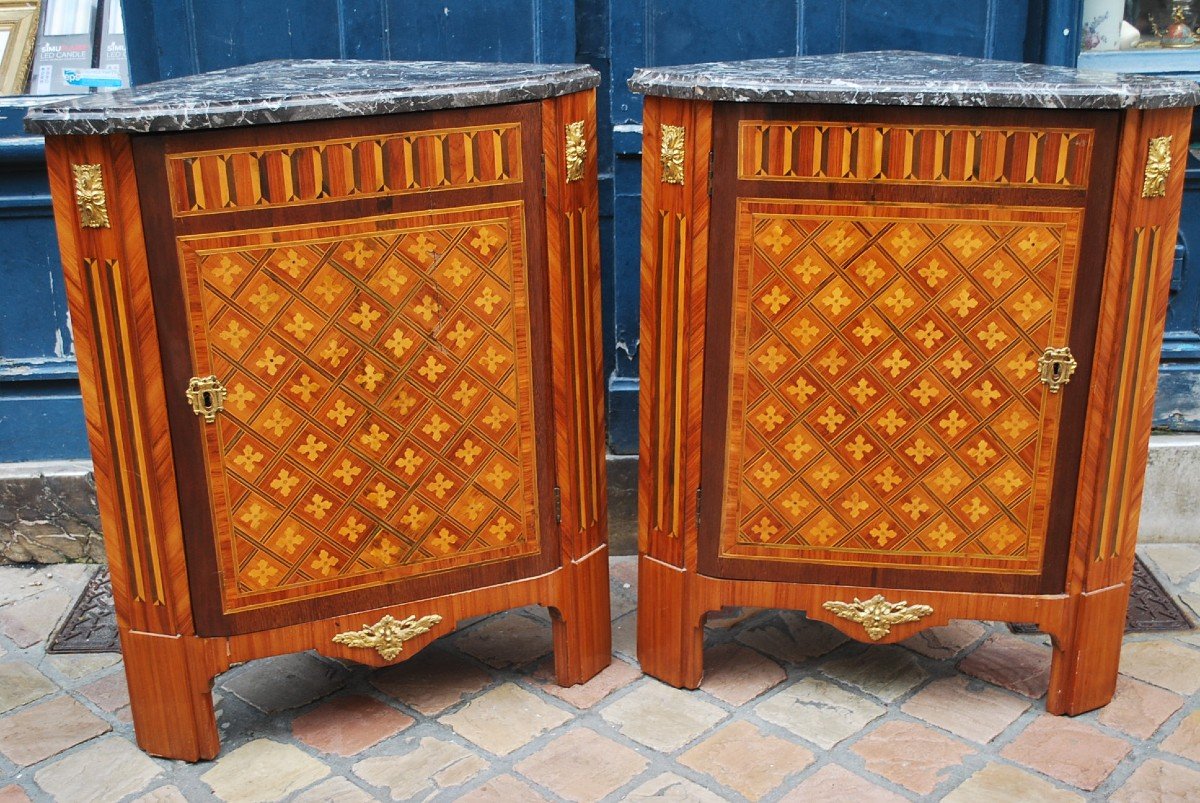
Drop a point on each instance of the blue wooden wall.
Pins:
(40, 415)
(1178, 404)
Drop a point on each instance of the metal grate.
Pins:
(91, 626)
(1150, 607)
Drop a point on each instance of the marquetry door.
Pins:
(366, 303)
(885, 288)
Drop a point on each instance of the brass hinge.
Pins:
(698, 506)
(207, 396)
(557, 505)
(543, 175)
(710, 173)
(1055, 367)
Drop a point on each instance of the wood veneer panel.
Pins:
(674, 269)
(582, 626)
(131, 328)
(843, 162)
(361, 534)
(107, 282)
(1132, 319)
(573, 259)
(874, 269)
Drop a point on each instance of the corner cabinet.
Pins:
(342, 376)
(899, 354)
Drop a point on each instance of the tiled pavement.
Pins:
(789, 710)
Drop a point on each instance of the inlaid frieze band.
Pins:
(950, 155)
(1145, 246)
(361, 167)
(667, 447)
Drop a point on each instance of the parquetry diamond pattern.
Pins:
(885, 390)
(374, 423)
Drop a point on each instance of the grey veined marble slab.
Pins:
(901, 78)
(290, 91)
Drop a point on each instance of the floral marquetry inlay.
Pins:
(886, 399)
(378, 422)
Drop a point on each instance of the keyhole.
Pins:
(206, 398)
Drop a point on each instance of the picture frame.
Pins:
(18, 33)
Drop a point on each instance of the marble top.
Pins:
(902, 78)
(293, 90)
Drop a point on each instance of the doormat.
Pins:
(91, 626)
(1150, 607)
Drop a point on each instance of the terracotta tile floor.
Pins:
(789, 710)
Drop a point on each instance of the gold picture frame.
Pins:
(18, 34)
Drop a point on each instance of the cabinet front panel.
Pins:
(885, 398)
(377, 423)
(381, 438)
(882, 286)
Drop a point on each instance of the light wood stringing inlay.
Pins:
(1144, 248)
(668, 502)
(885, 399)
(378, 422)
(107, 296)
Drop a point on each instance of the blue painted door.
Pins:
(169, 38)
(1178, 404)
(40, 413)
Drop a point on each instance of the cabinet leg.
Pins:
(170, 695)
(1083, 671)
(670, 634)
(582, 622)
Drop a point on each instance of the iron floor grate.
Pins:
(91, 625)
(1150, 608)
